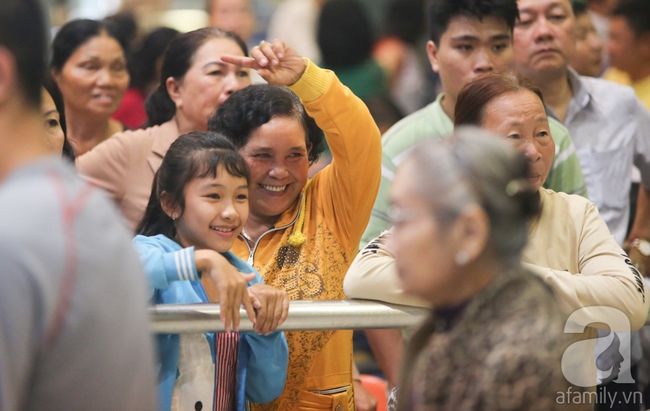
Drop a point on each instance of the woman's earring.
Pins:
(462, 257)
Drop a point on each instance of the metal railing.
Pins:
(303, 315)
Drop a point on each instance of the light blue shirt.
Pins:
(610, 129)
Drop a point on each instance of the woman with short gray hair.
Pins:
(494, 339)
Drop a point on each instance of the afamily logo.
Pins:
(609, 350)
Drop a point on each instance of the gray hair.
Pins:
(474, 166)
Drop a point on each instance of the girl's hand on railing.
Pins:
(272, 306)
(230, 284)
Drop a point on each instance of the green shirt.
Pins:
(432, 122)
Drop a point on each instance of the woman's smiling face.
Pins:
(93, 80)
(277, 156)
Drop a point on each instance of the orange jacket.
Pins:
(338, 202)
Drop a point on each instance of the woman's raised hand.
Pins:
(272, 306)
(230, 284)
(277, 63)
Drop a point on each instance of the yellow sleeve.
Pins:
(346, 188)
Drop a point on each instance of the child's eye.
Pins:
(242, 197)
(214, 196)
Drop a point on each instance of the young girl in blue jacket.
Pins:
(198, 206)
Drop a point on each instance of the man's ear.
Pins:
(169, 206)
(173, 89)
(432, 53)
(8, 76)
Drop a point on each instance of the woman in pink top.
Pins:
(194, 82)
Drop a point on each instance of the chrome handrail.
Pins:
(303, 315)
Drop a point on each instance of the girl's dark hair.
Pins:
(475, 96)
(177, 60)
(53, 89)
(143, 61)
(255, 105)
(75, 33)
(344, 36)
(193, 155)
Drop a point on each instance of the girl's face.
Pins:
(95, 77)
(208, 83)
(277, 156)
(52, 122)
(216, 210)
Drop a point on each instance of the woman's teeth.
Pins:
(275, 189)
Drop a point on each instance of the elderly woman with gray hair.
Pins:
(494, 338)
(570, 247)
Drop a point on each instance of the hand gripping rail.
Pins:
(303, 315)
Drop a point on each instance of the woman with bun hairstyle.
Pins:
(495, 336)
(570, 246)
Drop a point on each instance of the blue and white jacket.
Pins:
(262, 360)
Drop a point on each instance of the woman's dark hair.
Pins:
(177, 60)
(344, 33)
(142, 65)
(255, 105)
(193, 155)
(75, 33)
(124, 26)
(475, 96)
(53, 89)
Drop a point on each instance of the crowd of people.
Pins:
(201, 167)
